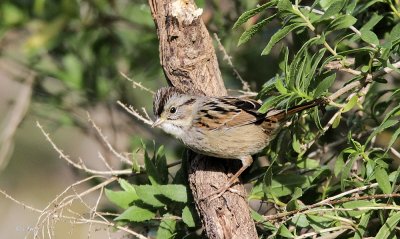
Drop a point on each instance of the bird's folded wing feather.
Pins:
(229, 112)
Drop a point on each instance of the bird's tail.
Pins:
(283, 114)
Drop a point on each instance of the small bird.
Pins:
(222, 127)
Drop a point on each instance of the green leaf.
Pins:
(300, 220)
(383, 179)
(121, 198)
(249, 33)
(284, 5)
(352, 102)
(136, 214)
(271, 101)
(280, 87)
(296, 144)
(347, 169)
(369, 37)
(393, 139)
(362, 226)
(339, 164)
(342, 22)
(174, 192)
(395, 33)
(324, 85)
(151, 170)
(187, 217)
(167, 228)
(336, 121)
(333, 9)
(356, 206)
(385, 124)
(388, 227)
(126, 185)
(248, 14)
(161, 165)
(279, 35)
(283, 231)
(259, 218)
(147, 194)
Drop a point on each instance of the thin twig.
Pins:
(19, 202)
(137, 84)
(245, 84)
(80, 166)
(133, 112)
(110, 147)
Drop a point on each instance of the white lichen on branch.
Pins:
(185, 11)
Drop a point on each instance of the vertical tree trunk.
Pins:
(189, 62)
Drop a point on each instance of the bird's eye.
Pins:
(172, 110)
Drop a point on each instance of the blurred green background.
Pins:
(60, 59)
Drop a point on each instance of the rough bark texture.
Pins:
(189, 62)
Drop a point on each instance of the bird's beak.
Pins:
(157, 122)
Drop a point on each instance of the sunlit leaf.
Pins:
(136, 214)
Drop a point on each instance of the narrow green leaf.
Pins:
(347, 169)
(336, 121)
(395, 33)
(393, 139)
(161, 165)
(279, 35)
(342, 22)
(271, 101)
(339, 164)
(167, 228)
(121, 198)
(362, 226)
(249, 33)
(296, 144)
(187, 217)
(258, 218)
(147, 193)
(248, 14)
(151, 170)
(314, 66)
(333, 9)
(284, 5)
(283, 231)
(356, 206)
(324, 85)
(280, 87)
(352, 102)
(369, 37)
(174, 192)
(388, 227)
(126, 185)
(383, 179)
(136, 214)
(385, 124)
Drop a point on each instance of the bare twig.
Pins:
(81, 165)
(137, 84)
(110, 147)
(245, 84)
(133, 112)
(19, 202)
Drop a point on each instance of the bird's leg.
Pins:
(246, 162)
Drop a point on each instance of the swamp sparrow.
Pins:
(222, 127)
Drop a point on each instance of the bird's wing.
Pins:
(228, 112)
